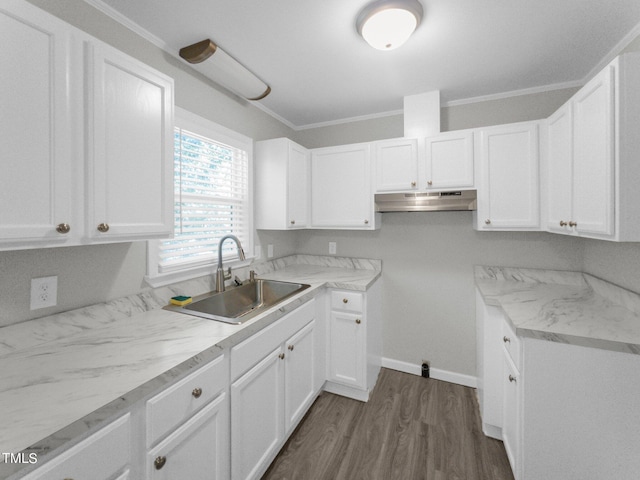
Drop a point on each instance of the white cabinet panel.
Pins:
(257, 401)
(449, 161)
(560, 169)
(299, 381)
(593, 160)
(282, 183)
(341, 193)
(37, 181)
(511, 414)
(347, 361)
(396, 165)
(102, 456)
(130, 148)
(508, 197)
(198, 450)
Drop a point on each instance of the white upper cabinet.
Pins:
(396, 165)
(86, 137)
(559, 171)
(591, 167)
(341, 190)
(130, 147)
(282, 185)
(449, 161)
(37, 183)
(508, 192)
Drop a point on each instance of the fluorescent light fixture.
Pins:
(387, 24)
(216, 64)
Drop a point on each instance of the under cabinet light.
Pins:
(216, 64)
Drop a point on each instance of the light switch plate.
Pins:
(332, 248)
(44, 292)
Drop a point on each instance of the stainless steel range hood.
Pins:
(426, 201)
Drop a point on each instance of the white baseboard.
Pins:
(444, 375)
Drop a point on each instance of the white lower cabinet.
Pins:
(511, 389)
(271, 397)
(105, 455)
(198, 449)
(191, 420)
(355, 343)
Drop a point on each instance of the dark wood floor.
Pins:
(411, 428)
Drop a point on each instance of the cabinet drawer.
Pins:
(511, 343)
(102, 456)
(347, 301)
(177, 403)
(249, 352)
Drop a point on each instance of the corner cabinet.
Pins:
(591, 167)
(508, 194)
(86, 134)
(341, 188)
(281, 185)
(355, 342)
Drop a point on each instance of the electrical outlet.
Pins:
(332, 248)
(270, 251)
(44, 292)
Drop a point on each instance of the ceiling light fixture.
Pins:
(387, 24)
(222, 68)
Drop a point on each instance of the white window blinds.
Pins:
(212, 199)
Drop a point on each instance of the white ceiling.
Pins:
(321, 71)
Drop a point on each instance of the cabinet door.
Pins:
(449, 161)
(593, 156)
(347, 349)
(511, 409)
(396, 165)
(299, 375)
(341, 187)
(36, 184)
(130, 147)
(508, 198)
(298, 187)
(559, 169)
(199, 449)
(257, 425)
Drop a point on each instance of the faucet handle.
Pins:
(227, 274)
(252, 275)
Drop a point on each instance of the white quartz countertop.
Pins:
(63, 375)
(567, 307)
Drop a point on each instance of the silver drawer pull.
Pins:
(512, 378)
(196, 392)
(506, 339)
(159, 462)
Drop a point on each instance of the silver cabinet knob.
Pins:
(563, 223)
(506, 339)
(159, 462)
(290, 347)
(487, 221)
(196, 392)
(281, 356)
(429, 183)
(358, 321)
(573, 224)
(366, 222)
(345, 300)
(63, 228)
(512, 378)
(103, 227)
(293, 222)
(413, 184)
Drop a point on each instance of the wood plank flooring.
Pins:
(411, 428)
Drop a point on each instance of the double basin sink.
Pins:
(239, 304)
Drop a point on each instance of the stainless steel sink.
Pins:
(239, 304)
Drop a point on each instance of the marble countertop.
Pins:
(567, 307)
(63, 375)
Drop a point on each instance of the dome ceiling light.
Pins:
(387, 24)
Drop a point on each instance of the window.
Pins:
(212, 198)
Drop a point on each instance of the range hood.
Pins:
(426, 201)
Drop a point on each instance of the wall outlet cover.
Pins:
(332, 248)
(44, 292)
